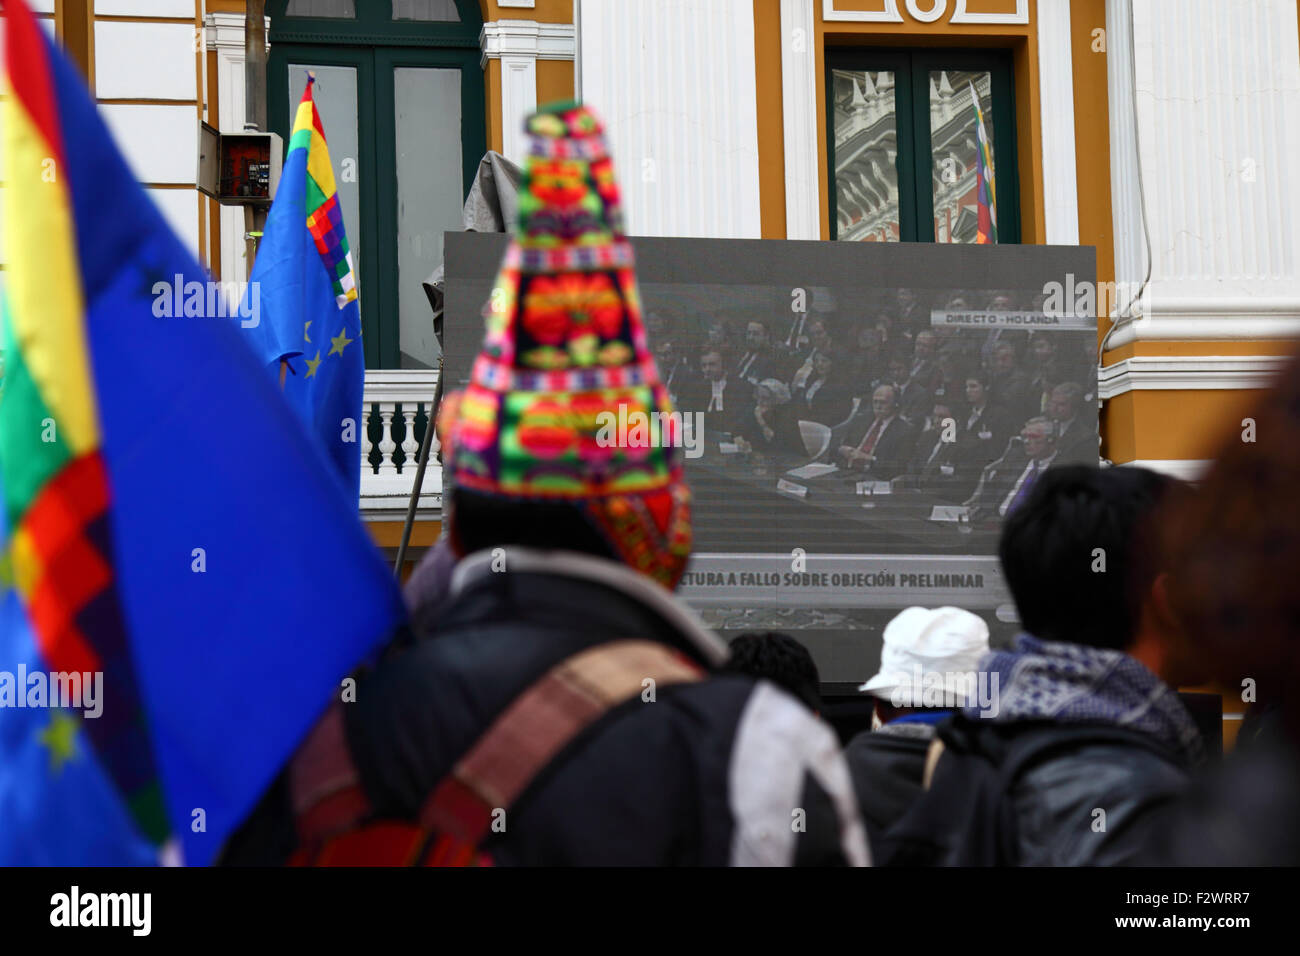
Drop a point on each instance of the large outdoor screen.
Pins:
(859, 418)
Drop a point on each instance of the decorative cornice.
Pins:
(541, 41)
(1210, 318)
(1188, 372)
(928, 12)
(225, 31)
(400, 384)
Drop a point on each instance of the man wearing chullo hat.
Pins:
(559, 705)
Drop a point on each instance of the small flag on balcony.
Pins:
(182, 585)
(307, 296)
(987, 230)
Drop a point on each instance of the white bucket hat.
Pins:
(930, 649)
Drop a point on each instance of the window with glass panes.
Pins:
(908, 161)
(400, 91)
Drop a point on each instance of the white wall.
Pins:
(1217, 89)
(139, 60)
(674, 82)
(144, 60)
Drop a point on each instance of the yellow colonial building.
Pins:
(1161, 132)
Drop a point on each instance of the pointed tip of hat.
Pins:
(564, 119)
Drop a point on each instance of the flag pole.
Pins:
(425, 445)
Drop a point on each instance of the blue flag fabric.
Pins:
(237, 587)
(306, 308)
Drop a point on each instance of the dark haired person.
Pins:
(984, 429)
(826, 398)
(674, 369)
(934, 467)
(757, 361)
(771, 655)
(721, 398)
(1084, 704)
(866, 364)
(1009, 387)
(801, 363)
(562, 707)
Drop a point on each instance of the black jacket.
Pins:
(935, 467)
(696, 393)
(1243, 812)
(829, 405)
(754, 366)
(684, 779)
(781, 420)
(982, 440)
(1077, 443)
(892, 450)
(887, 766)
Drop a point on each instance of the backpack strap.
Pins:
(332, 813)
(323, 782)
(529, 734)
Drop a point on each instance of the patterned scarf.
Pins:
(1074, 684)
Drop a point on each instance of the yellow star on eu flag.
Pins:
(340, 342)
(59, 737)
(311, 365)
(305, 328)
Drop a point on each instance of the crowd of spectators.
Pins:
(946, 409)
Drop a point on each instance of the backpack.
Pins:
(965, 818)
(332, 814)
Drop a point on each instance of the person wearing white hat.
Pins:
(930, 659)
(929, 665)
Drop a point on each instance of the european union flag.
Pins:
(183, 586)
(303, 299)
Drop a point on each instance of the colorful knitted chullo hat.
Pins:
(564, 401)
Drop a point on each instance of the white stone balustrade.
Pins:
(398, 396)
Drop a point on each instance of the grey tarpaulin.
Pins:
(490, 207)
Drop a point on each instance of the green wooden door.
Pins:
(403, 105)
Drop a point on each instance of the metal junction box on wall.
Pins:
(239, 169)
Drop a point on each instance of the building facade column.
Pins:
(1056, 89)
(224, 35)
(518, 45)
(799, 80)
